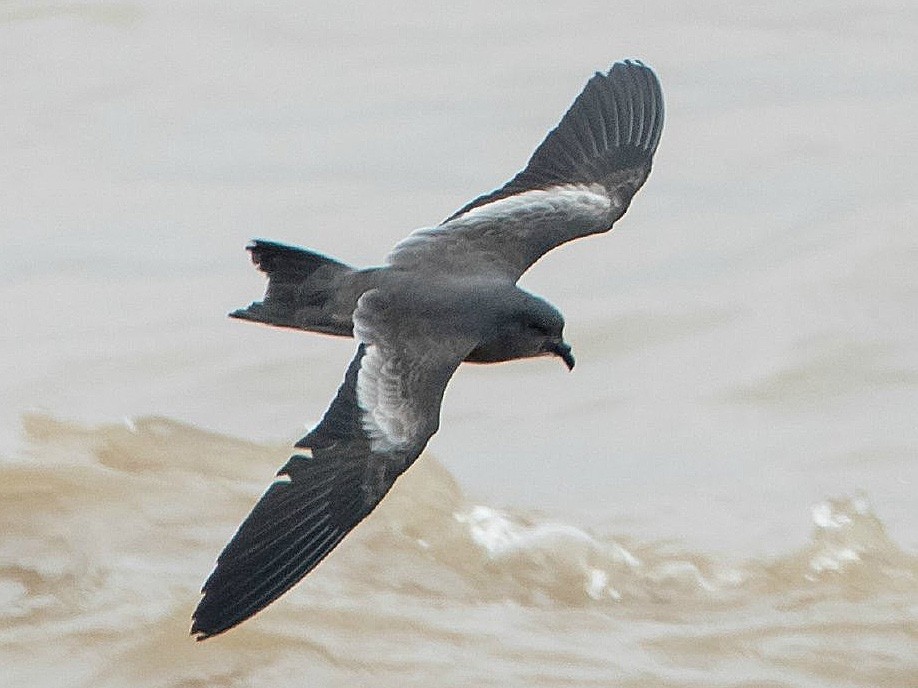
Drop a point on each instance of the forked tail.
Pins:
(306, 290)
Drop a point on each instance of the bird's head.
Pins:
(543, 331)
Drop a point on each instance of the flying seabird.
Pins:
(444, 295)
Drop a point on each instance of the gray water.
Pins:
(741, 422)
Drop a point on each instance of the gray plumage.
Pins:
(445, 295)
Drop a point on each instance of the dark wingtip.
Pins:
(643, 87)
(199, 634)
(198, 630)
(211, 620)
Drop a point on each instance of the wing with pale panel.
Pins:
(579, 181)
(385, 412)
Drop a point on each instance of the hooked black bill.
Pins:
(563, 351)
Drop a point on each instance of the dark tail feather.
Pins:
(306, 290)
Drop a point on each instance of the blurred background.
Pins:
(721, 493)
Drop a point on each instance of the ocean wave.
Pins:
(154, 494)
(108, 531)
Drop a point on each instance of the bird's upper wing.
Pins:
(578, 182)
(385, 411)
